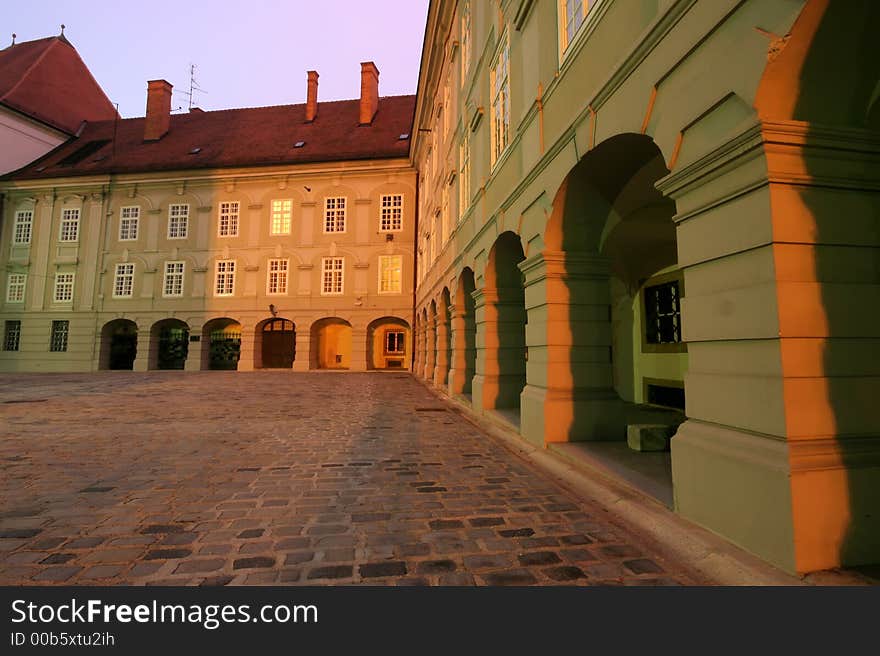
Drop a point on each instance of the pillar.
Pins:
(430, 348)
(358, 360)
(195, 350)
(303, 354)
(144, 346)
(246, 350)
(441, 366)
(460, 374)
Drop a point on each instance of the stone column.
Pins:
(569, 391)
(459, 375)
(246, 350)
(195, 350)
(497, 341)
(303, 348)
(430, 348)
(441, 365)
(358, 350)
(142, 356)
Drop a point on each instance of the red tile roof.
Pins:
(46, 80)
(259, 136)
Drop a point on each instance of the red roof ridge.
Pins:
(32, 66)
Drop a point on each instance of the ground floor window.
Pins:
(662, 324)
(395, 342)
(58, 340)
(11, 335)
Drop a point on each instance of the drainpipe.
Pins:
(412, 348)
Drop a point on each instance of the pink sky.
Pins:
(248, 54)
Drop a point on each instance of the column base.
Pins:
(550, 416)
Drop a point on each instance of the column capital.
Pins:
(562, 264)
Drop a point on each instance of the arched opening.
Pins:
(275, 344)
(625, 354)
(464, 331)
(169, 344)
(330, 344)
(505, 328)
(118, 345)
(388, 344)
(221, 344)
(444, 341)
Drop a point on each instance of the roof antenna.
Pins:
(193, 86)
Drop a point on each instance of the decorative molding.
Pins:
(204, 209)
(523, 11)
(255, 206)
(252, 267)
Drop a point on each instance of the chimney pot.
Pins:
(312, 96)
(369, 92)
(158, 118)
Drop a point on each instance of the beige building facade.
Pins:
(657, 218)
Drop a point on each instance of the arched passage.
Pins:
(221, 344)
(464, 328)
(169, 344)
(118, 345)
(330, 344)
(275, 344)
(388, 343)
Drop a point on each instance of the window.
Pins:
(500, 100)
(395, 342)
(69, 225)
(123, 282)
(225, 280)
(58, 340)
(15, 287)
(178, 221)
(21, 232)
(277, 280)
(464, 178)
(63, 287)
(572, 13)
(444, 215)
(128, 223)
(331, 275)
(281, 215)
(663, 313)
(172, 284)
(334, 214)
(227, 225)
(392, 213)
(390, 274)
(11, 335)
(465, 38)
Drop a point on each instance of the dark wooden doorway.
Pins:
(279, 344)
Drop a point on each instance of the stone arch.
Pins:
(220, 344)
(388, 343)
(169, 344)
(330, 344)
(118, 345)
(274, 343)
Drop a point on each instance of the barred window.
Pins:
(281, 217)
(334, 214)
(21, 232)
(277, 280)
(332, 275)
(395, 342)
(663, 313)
(178, 221)
(58, 339)
(172, 284)
(390, 277)
(63, 287)
(500, 100)
(228, 222)
(225, 280)
(11, 335)
(69, 225)
(15, 284)
(392, 213)
(128, 223)
(123, 282)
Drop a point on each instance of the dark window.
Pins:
(11, 335)
(663, 314)
(394, 342)
(671, 397)
(59, 336)
(84, 151)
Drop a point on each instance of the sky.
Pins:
(247, 53)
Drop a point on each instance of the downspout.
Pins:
(412, 350)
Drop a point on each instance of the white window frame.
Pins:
(277, 276)
(123, 280)
(390, 213)
(464, 175)
(69, 229)
(62, 291)
(281, 214)
(335, 214)
(22, 229)
(465, 39)
(228, 215)
(224, 278)
(173, 279)
(16, 284)
(178, 221)
(129, 222)
(332, 276)
(566, 39)
(387, 263)
(499, 126)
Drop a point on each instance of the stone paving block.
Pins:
(510, 577)
(57, 574)
(200, 565)
(374, 570)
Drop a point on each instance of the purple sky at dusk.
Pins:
(247, 54)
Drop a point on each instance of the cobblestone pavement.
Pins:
(216, 478)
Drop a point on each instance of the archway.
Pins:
(275, 344)
(118, 345)
(169, 344)
(221, 344)
(388, 343)
(330, 344)
(464, 329)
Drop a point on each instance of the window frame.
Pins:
(281, 274)
(133, 221)
(59, 335)
(58, 286)
(233, 219)
(20, 226)
(9, 334)
(22, 286)
(180, 219)
(333, 275)
(391, 208)
(125, 281)
(272, 219)
(227, 275)
(465, 37)
(499, 97)
(336, 212)
(165, 278)
(390, 331)
(70, 216)
(656, 281)
(382, 269)
(464, 174)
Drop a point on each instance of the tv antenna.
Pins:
(194, 87)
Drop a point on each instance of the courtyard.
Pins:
(282, 478)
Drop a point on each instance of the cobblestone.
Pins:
(268, 478)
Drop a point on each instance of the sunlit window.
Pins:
(500, 100)
(465, 38)
(391, 219)
(334, 214)
(224, 284)
(282, 211)
(390, 274)
(464, 175)
(332, 271)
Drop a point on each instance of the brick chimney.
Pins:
(312, 97)
(369, 92)
(158, 110)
